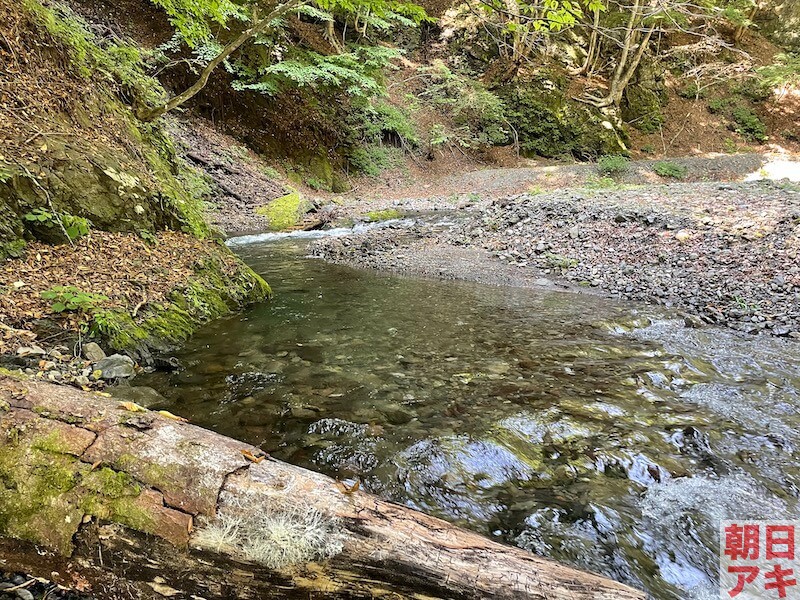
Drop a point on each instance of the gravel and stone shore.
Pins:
(723, 253)
(15, 586)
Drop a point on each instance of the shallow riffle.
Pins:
(605, 435)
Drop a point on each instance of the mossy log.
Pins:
(134, 504)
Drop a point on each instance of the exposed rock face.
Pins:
(779, 20)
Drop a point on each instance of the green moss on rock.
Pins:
(550, 124)
(284, 212)
(219, 287)
(110, 168)
(641, 108)
(45, 493)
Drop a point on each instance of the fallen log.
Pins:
(103, 495)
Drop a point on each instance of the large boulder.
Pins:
(779, 20)
(549, 123)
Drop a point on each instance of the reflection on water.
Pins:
(599, 434)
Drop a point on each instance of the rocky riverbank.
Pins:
(723, 253)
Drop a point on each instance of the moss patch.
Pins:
(45, 493)
(382, 215)
(221, 284)
(550, 124)
(284, 212)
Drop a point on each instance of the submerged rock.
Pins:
(141, 395)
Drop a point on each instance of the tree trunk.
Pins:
(259, 26)
(102, 495)
(591, 50)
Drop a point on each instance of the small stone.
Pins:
(397, 415)
(93, 352)
(31, 351)
(82, 380)
(304, 414)
(693, 321)
(683, 235)
(24, 595)
(116, 366)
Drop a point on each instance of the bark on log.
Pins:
(134, 504)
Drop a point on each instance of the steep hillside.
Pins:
(77, 169)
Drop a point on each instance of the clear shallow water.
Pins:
(599, 434)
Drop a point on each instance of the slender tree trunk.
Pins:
(588, 65)
(258, 26)
(630, 36)
(738, 34)
(627, 64)
(619, 85)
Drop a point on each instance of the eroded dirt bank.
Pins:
(725, 253)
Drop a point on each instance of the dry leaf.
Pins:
(252, 457)
(349, 490)
(132, 406)
(169, 415)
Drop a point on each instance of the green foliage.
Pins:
(275, 63)
(719, 105)
(194, 19)
(691, 92)
(74, 227)
(478, 115)
(729, 146)
(601, 183)
(753, 89)
(736, 12)
(613, 165)
(70, 298)
(317, 184)
(5, 173)
(379, 121)
(783, 73)
(271, 172)
(358, 72)
(670, 169)
(748, 125)
(374, 159)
